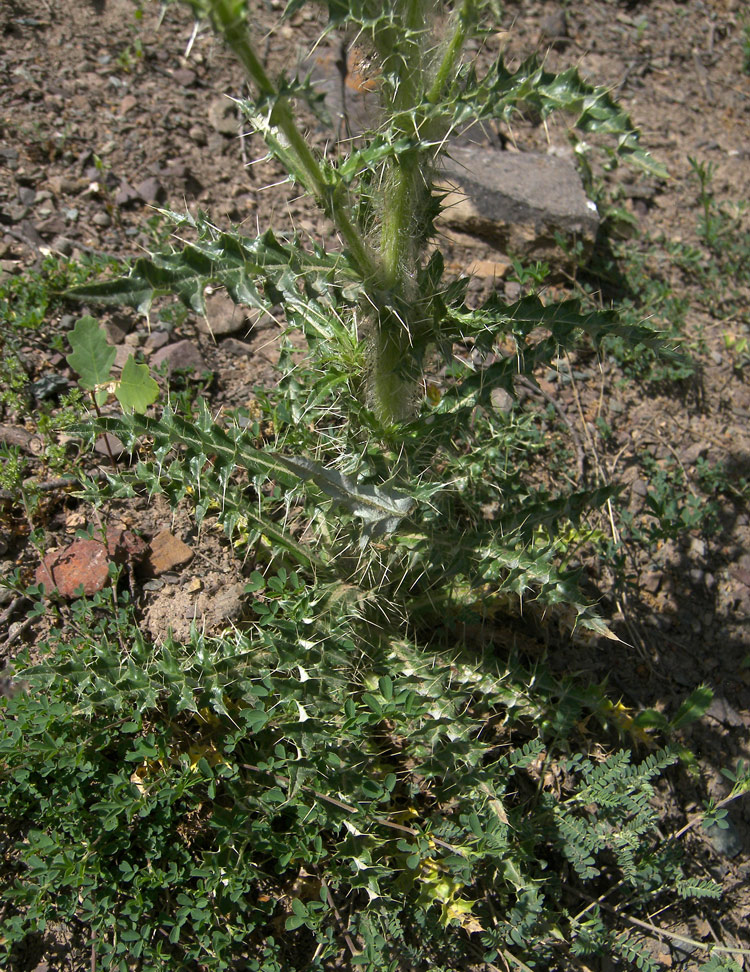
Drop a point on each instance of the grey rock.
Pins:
(694, 451)
(109, 445)
(116, 331)
(351, 98)
(62, 185)
(233, 346)
(651, 581)
(16, 213)
(52, 226)
(725, 840)
(122, 353)
(151, 190)
(101, 219)
(181, 354)
(501, 400)
(697, 549)
(518, 202)
(181, 175)
(126, 195)
(156, 340)
(223, 316)
(184, 76)
(63, 245)
(554, 29)
(723, 712)
(27, 195)
(222, 115)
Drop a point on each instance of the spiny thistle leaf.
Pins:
(381, 509)
(502, 93)
(228, 259)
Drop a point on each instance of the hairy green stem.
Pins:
(234, 31)
(392, 392)
(395, 234)
(452, 51)
(400, 231)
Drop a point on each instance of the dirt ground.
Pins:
(104, 115)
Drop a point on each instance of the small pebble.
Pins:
(725, 840)
(697, 548)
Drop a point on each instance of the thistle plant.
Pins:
(361, 772)
(379, 311)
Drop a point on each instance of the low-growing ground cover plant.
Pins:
(370, 770)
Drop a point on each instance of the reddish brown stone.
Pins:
(85, 563)
(123, 546)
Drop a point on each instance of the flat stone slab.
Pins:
(519, 202)
(166, 552)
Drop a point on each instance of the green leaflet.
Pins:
(136, 389)
(92, 356)
(693, 708)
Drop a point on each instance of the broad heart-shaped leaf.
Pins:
(92, 356)
(136, 389)
(380, 509)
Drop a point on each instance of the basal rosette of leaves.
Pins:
(355, 776)
(314, 791)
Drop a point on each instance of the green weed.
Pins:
(745, 43)
(198, 805)
(27, 302)
(363, 772)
